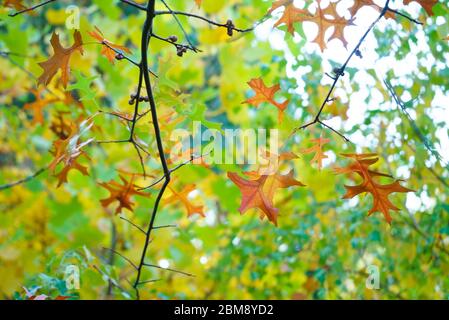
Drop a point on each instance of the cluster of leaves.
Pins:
(77, 113)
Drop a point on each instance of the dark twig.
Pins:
(405, 16)
(168, 269)
(146, 35)
(191, 15)
(31, 8)
(170, 11)
(170, 171)
(340, 72)
(166, 226)
(122, 256)
(24, 180)
(148, 281)
(133, 224)
(124, 56)
(133, 4)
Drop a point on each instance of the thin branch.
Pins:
(166, 226)
(179, 47)
(427, 144)
(335, 131)
(148, 281)
(414, 224)
(179, 24)
(121, 256)
(24, 180)
(133, 224)
(405, 16)
(168, 269)
(191, 15)
(133, 4)
(341, 71)
(31, 8)
(142, 162)
(122, 55)
(170, 172)
(146, 36)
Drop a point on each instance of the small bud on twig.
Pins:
(230, 26)
(173, 39)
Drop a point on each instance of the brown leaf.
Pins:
(107, 46)
(38, 105)
(259, 190)
(121, 193)
(60, 59)
(290, 16)
(380, 193)
(317, 148)
(16, 4)
(67, 152)
(266, 94)
(183, 197)
(327, 18)
(426, 4)
(358, 4)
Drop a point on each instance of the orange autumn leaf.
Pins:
(60, 59)
(16, 4)
(426, 4)
(67, 152)
(317, 148)
(38, 105)
(183, 196)
(258, 191)
(290, 16)
(326, 19)
(60, 126)
(108, 47)
(279, 3)
(358, 4)
(266, 94)
(198, 3)
(121, 193)
(380, 192)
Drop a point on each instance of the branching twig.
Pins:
(209, 21)
(24, 180)
(168, 269)
(31, 8)
(122, 256)
(133, 224)
(405, 16)
(144, 83)
(340, 72)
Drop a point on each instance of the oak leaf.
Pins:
(198, 3)
(317, 148)
(183, 196)
(38, 105)
(108, 47)
(121, 193)
(290, 16)
(60, 59)
(68, 151)
(426, 4)
(327, 18)
(380, 192)
(266, 94)
(258, 191)
(358, 4)
(279, 3)
(16, 4)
